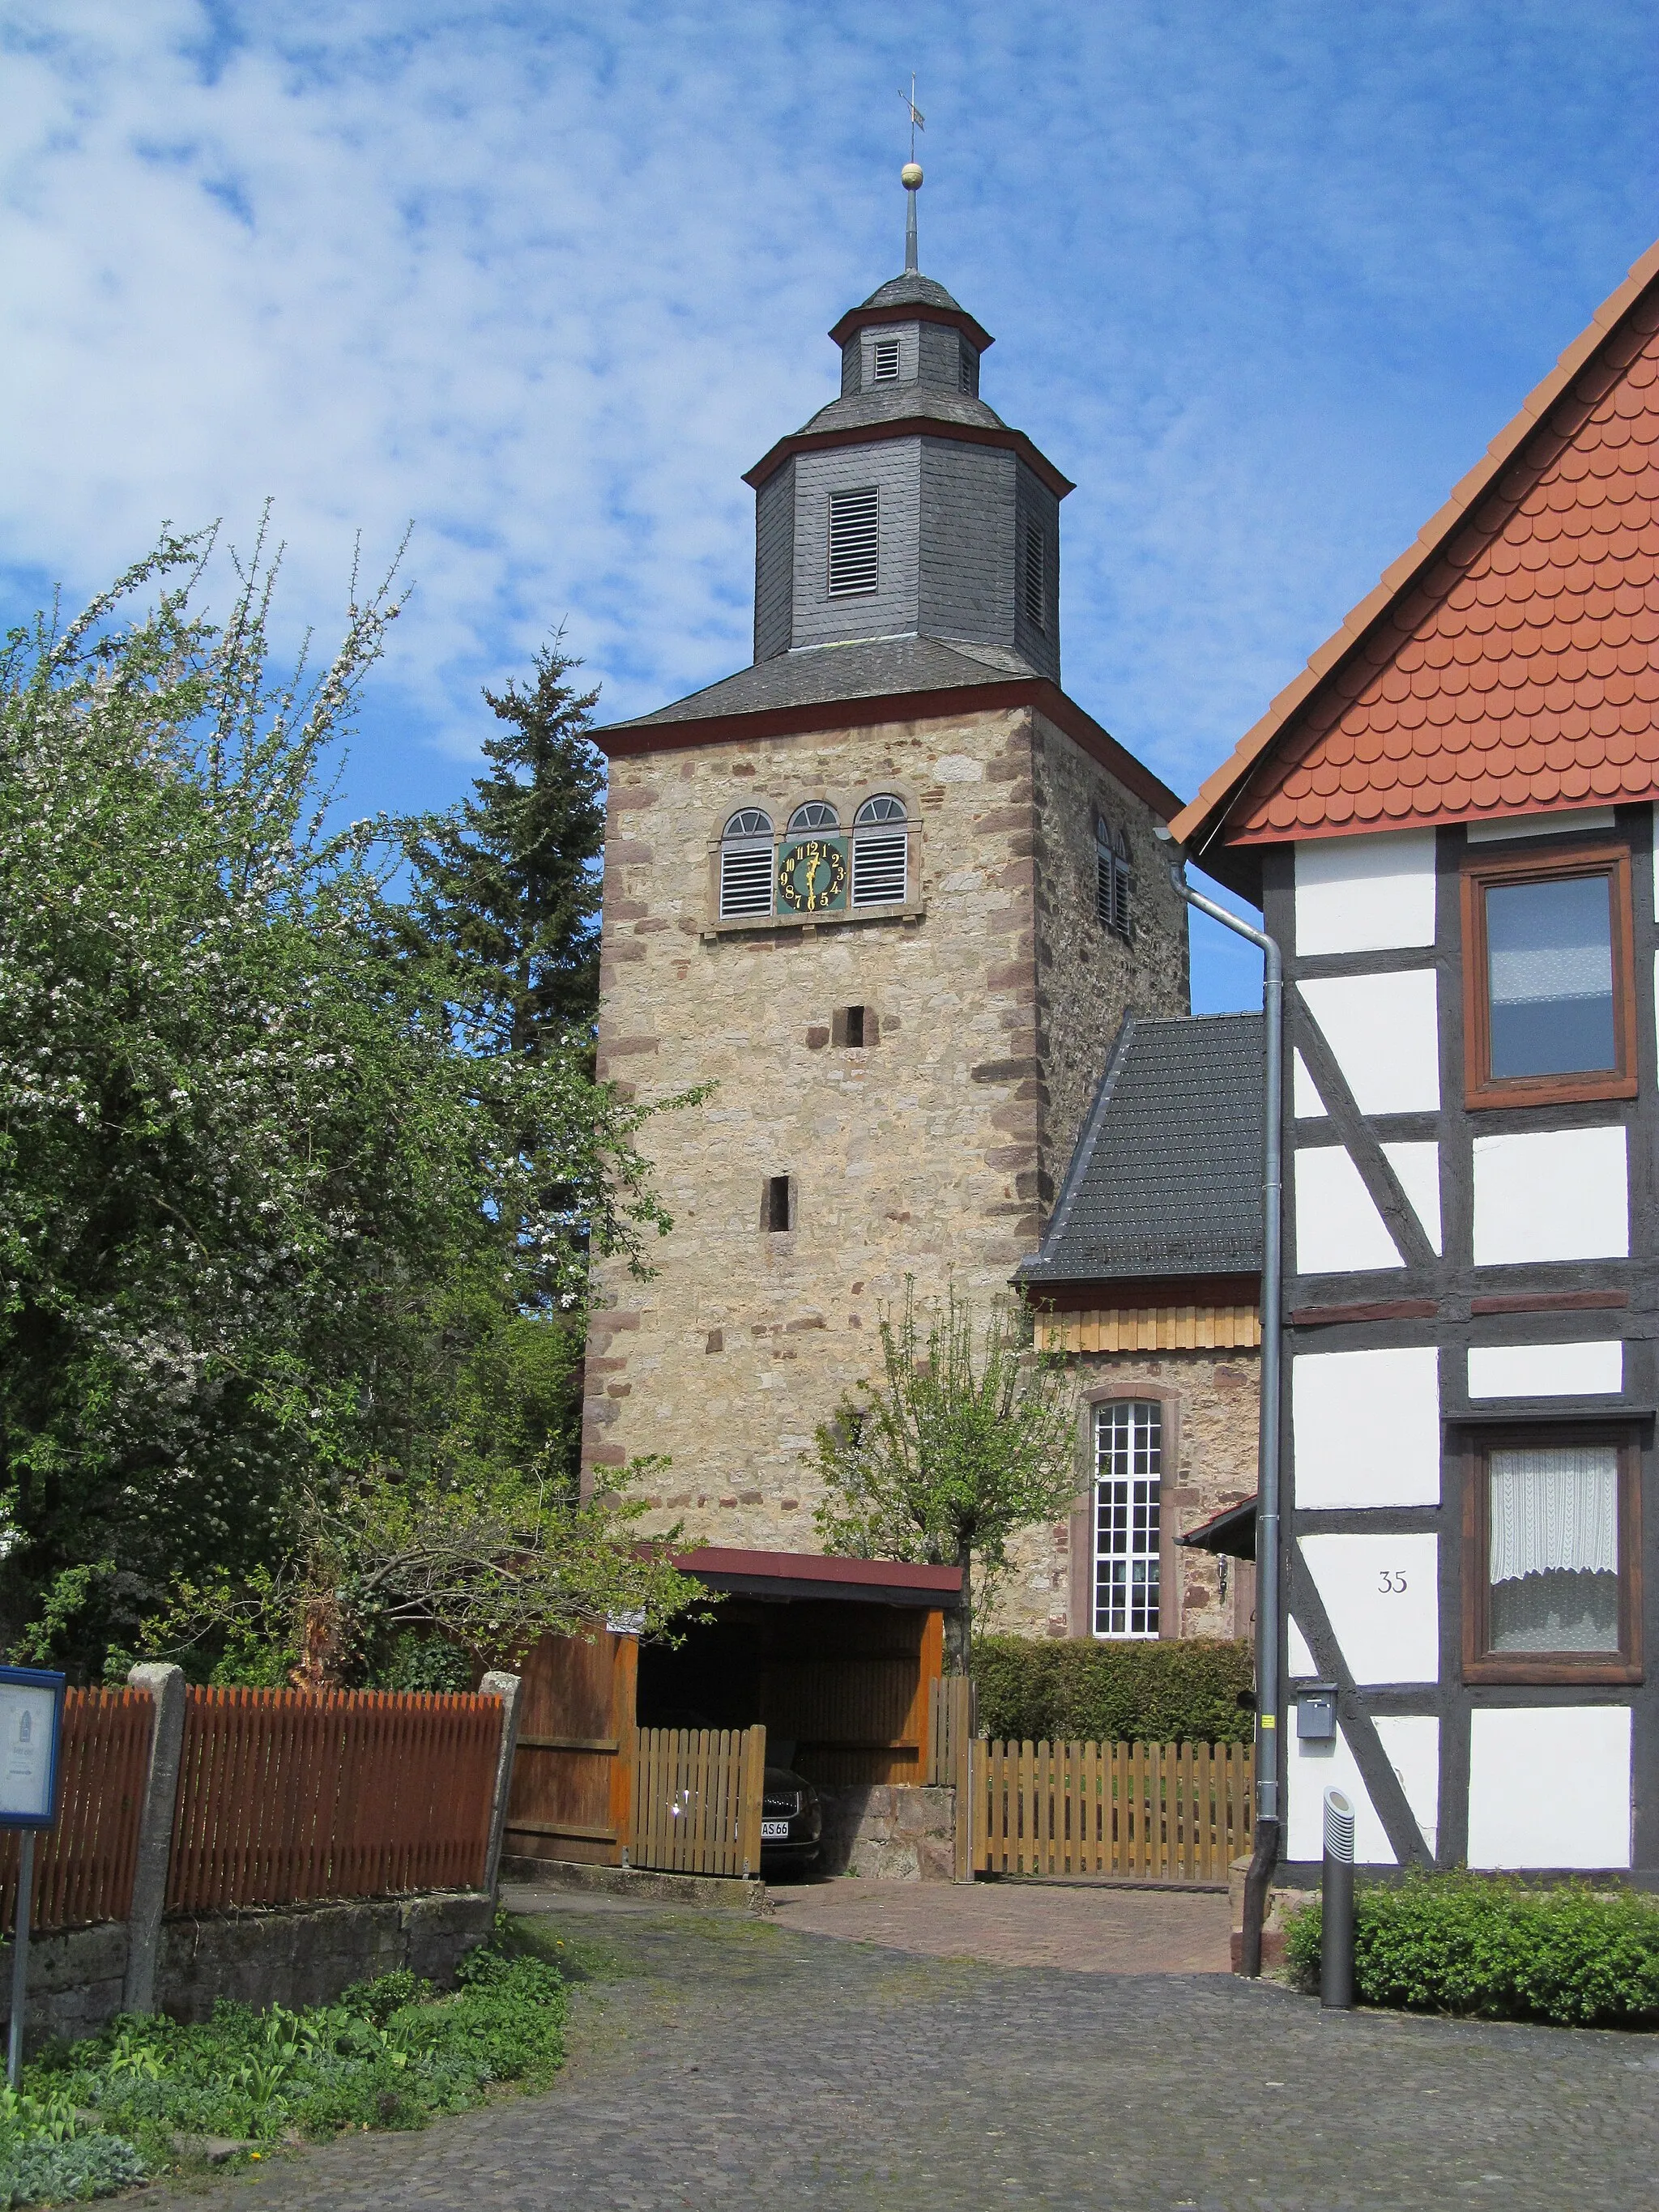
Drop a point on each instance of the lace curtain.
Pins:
(1555, 1510)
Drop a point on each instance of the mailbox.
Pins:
(1315, 1711)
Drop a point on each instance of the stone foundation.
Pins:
(300, 1955)
(1280, 1903)
(890, 1832)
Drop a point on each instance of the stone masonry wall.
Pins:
(1210, 1416)
(917, 1156)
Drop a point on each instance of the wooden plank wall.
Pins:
(83, 1867)
(697, 1800)
(573, 1770)
(286, 1796)
(1150, 1328)
(1165, 1811)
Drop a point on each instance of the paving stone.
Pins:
(739, 2063)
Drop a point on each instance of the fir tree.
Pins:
(507, 881)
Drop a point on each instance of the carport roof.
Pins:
(814, 1575)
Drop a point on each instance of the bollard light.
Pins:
(1336, 1906)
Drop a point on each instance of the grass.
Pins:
(121, 2106)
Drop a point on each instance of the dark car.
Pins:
(792, 1821)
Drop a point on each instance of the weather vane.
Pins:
(910, 176)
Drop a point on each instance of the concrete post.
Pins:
(508, 1688)
(166, 1685)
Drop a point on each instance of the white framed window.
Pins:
(854, 537)
(1129, 1480)
(1035, 582)
(1112, 880)
(746, 864)
(817, 814)
(884, 360)
(881, 848)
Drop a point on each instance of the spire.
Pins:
(910, 178)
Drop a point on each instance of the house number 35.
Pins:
(1391, 1582)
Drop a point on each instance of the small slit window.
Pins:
(746, 864)
(817, 814)
(779, 1211)
(1550, 1013)
(885, 363)
(1035, 581)
(881, 850)
(1128, 1496)
(854, 532)
(965, 368)
(1112, 880)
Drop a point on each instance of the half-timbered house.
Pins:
(1449, 821)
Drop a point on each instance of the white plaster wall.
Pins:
(1338, 1230)
(1366, 1427)
(1384, 1031)
(1411, 1744)
(1310, 1770)
(1540, 825)
(1298, 1658)
(1307, 1105)
(1417, 1166)
(1550, 1195)
(1364, 894)
(1550, 1786)
(1381, 1597)
(1547, 1370)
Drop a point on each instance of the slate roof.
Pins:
(1505, 664)
(903, 403)
(863, 668)
(1167, 1175)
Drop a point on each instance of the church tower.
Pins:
(890, 892)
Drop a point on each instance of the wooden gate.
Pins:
(1164, 1812)
(573, 1766)
(697, 1800)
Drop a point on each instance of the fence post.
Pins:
(507, 1688)
(752, 1773)
(166, 1685)
(964, 1721)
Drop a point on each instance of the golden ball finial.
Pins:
(910, 176)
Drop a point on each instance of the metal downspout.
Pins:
(1265, 1856)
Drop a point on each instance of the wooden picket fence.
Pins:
(1163, 1812)
(286, 1796)
(697, 1800)
(83, 1867)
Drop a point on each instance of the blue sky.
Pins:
(545, 281)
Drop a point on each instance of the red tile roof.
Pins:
(1507, 663)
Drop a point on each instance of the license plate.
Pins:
(774, 1831)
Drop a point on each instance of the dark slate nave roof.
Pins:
(1167, 1175)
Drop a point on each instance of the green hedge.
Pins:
(1487, 1944)
(1046, 1689)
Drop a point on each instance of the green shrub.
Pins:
(55, 2173)
(1490, 1945)
(1185, 1691)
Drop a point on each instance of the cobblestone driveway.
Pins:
(740, 2063)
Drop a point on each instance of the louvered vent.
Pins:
(746, 864)
(1037, 597)
(853, 521)
(886, 364)
(1111, 880)
(880, 853)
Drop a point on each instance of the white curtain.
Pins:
(1554, 1510)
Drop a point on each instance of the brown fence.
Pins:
(83, 1867)
(288, 1796)
(697, 1800)
(1165, 1811)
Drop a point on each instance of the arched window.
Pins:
(817, 814)
(1128, 1483)
(881, 847)
(746, 864)
(1112, 880)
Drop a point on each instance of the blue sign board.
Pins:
(31, 1730)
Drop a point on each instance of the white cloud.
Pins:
(548, 281)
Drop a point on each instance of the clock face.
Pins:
(812, 875)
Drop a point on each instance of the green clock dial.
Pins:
(812, 875)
